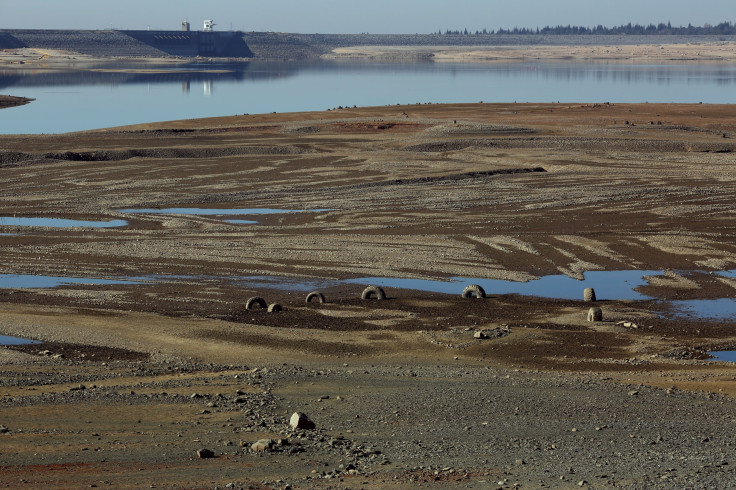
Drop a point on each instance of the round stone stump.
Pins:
(595, 314)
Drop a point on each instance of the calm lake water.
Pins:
(73, 101)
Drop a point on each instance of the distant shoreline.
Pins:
(640, 53)
(690, 53)
(185, 45)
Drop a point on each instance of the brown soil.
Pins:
(499, 191)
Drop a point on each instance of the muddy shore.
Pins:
(7, 101)
(131, 379)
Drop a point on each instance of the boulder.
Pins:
(205, 454)
(595, 314)
(301, 421)
(262, 445)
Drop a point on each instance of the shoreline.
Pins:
(666, 53)
(679, 53)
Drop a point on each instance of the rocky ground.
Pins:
(131, 380)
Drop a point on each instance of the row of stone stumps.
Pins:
(595, 314)
(261, 303)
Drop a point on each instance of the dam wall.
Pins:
(106, 43)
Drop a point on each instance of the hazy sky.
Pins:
(354, 16)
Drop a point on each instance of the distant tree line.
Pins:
(724, 28)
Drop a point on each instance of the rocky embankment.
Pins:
(93, 43)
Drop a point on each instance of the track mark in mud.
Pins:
(301, 190)
(312, 346)
(450, 178)
(80, 351)
(14, 158)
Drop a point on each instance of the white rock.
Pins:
(301, 421)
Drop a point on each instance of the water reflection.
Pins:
(146, 74)
(715, 309)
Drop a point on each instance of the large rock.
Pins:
(205, 454)
(595, 314)
(301, 421)
(262, 445)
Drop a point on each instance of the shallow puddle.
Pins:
(724, 355)
(61, 222)
(611, 285)
(607, 284)
(241, 221)
(7, 340)
(21, 281)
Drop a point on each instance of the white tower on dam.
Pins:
(209, 25)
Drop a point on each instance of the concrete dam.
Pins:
(188, 44)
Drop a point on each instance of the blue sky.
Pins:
(353, 16)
